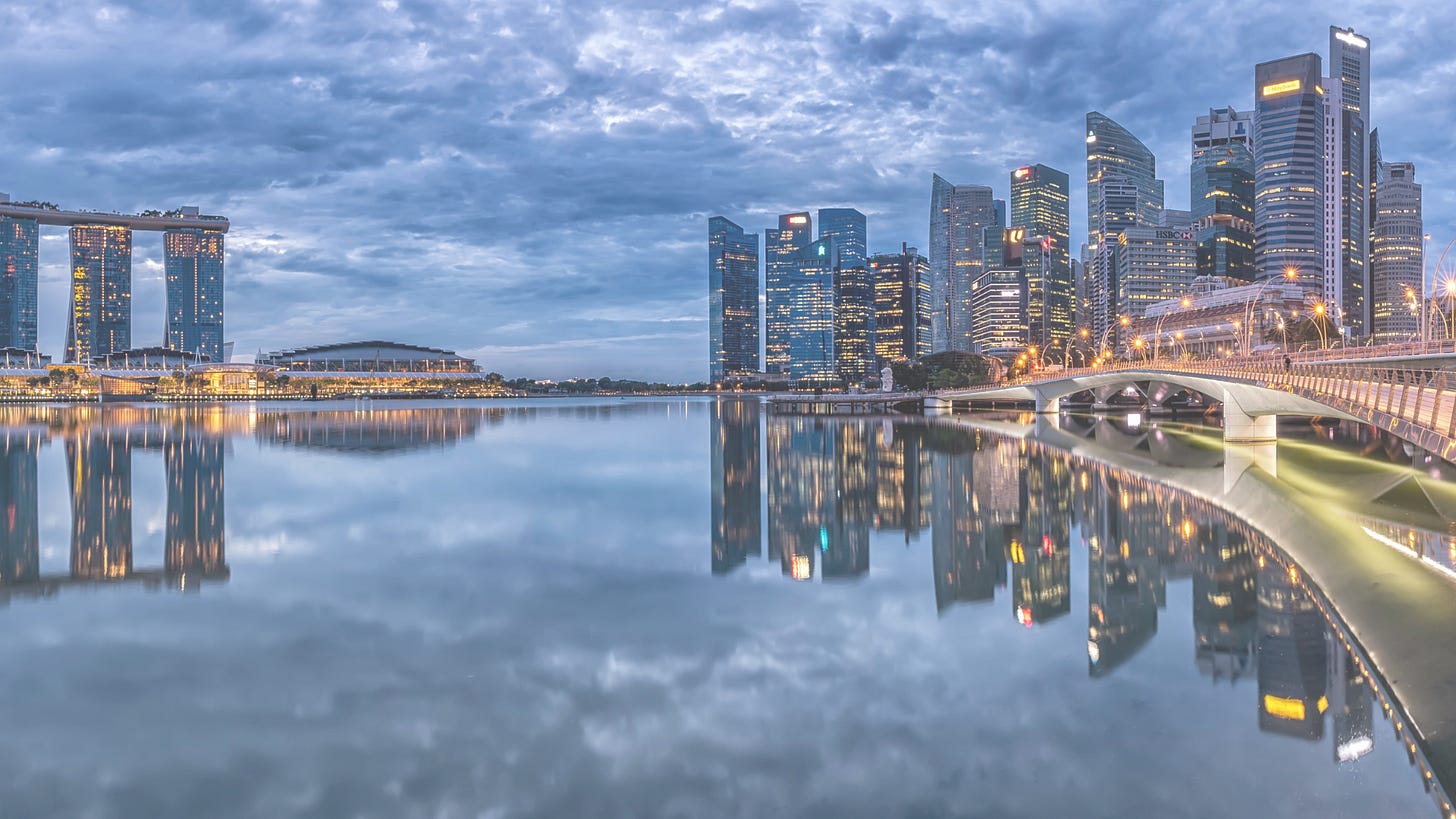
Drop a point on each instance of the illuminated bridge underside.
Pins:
(1250, 408)
(1397, 610)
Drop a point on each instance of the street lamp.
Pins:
(1319, 322)
(1291, 273)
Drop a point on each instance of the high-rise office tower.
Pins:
(1039, 202)
(780, 246)
(811, 288)
(1397, 255)
(732, 300)
(854, 323)
(1112, 151)
(1347, 179)
(846, 226)
(1289, 165)
(999, 297)
(958, 214)
(1153, 264)
(902, 304)
(1223, 127)
(100, 319)
(194, 268)
(19, 274)
(1221, 192)
(1123, 190)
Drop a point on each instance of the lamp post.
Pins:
(1319, 322)
(1158, 328)
(1290, 274)
(1102, 344)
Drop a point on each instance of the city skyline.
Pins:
(600, 159)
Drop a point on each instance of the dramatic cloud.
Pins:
(530, 182)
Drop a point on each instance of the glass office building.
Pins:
(846, 226)
(1397, 255)
(732, 300)
(194, 268)
(1289, 168)
(958, 215)
(19, 274)
(902, 304)
(781, 246)
(1221, 191)
(1039, 202)
(811, 287)
(100, 318)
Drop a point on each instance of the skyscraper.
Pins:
(846, 226)
(1289, 159)
(1039, 202)
(19, 274)
(194, 268)
(1397, 255)
(1154, 264)
(958, 214)
(811, 288)
(1122, 191)
(1221, 192)
(100, 319)
(902, 304)
(732, 300)
(780, 246)
(1223, 127)
(854, 323)
(1347, 179)
(998, 297)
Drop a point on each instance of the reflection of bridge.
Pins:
(1413, 397)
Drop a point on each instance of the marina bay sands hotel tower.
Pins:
(98, 321)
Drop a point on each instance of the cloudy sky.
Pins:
(529, 183)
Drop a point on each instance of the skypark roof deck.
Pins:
(187, 217)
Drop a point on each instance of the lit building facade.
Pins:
(1154, 264)
(958, 216)
(194, 269)
(781, 246)
(1123, 190)
(811, 287)
(100, 318)
(902, 304)
(1117, 211)
(1039, 202)
(369, 357)
(854, 324)
(1223, 127)
(194, 538)
(1347, 179)
(1221, 190)
(1289, 168)
(19, 275)
(733, 313)
(1219, 321)
(998, 299)
(1397, 258)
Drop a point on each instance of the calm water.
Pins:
(658, 608)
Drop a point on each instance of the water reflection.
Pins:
(1007, 511)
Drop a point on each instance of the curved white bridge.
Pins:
(1418, 405)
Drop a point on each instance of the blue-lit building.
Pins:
(781, 246)
(100, 316)
(732, 300)
(1289, 170)
(19, 274)
(846, 226)
(194, 269)
(1221, 191)
(811, 288)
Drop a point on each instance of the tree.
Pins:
(949, 380)
(909, 376)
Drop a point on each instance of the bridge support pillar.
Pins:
(1241, 428)
(1046, 405)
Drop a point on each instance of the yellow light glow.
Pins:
(1282, 87)
(1283, 707)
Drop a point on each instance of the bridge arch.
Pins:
(1250, 409)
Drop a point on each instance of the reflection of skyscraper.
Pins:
(19, 528)
(194, 507)
(902, 480)
(821, 495)
(967, 544)
(735, 483)
(1122, 590)
(1293, 657)
(1041, 568)
(100, 473)
(1225, 603)
(1351, 710)
(846, 552)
